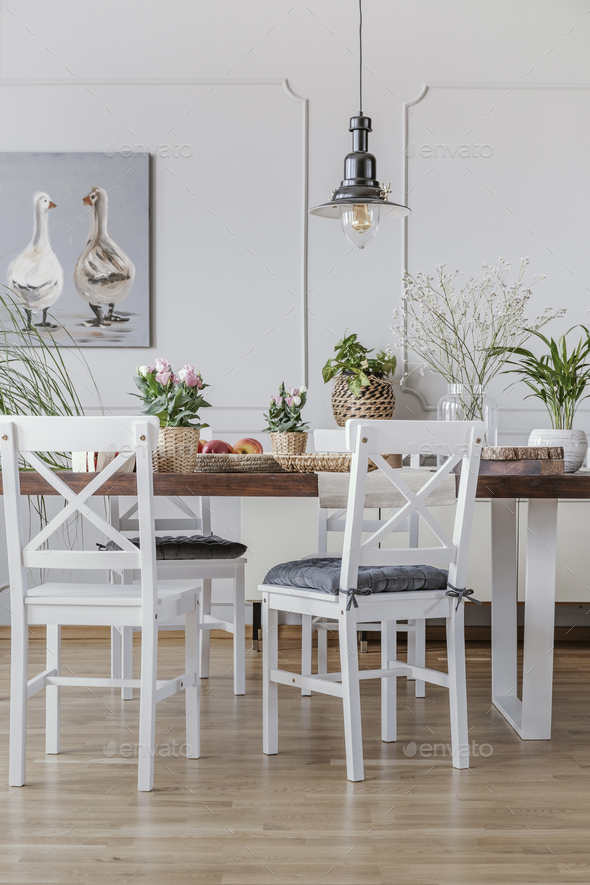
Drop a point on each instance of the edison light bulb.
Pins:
(360, 223)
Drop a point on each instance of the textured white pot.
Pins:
(574, 442)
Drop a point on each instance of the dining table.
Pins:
(530, 714)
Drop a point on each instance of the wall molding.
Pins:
(579, 87)
(291, 94)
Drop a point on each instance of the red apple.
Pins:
(217, 447)
(248, 446)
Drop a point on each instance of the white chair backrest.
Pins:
(457, 441)
(128, 436)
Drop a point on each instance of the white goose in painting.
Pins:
(36, 276)
(103, 274)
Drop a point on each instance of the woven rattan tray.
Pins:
(337, 462)
(237, 464)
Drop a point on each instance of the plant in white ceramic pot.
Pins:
(175, 398)
(559, 379)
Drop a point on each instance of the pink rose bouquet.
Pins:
(175, 397)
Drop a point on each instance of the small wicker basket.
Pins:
(237, 464)
(375, 401)
(288, 443)
(177, 450)
(335, 462)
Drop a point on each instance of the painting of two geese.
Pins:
(74, 245)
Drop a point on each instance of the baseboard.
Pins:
(292, 632)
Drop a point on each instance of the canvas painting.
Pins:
(74, 245)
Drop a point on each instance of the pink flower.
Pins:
(277, 400)
(151, 369)
(176, 378)
(163, 377)
(191, 379)
(162, 365)
(189, 370)
(294, 391)
(289, 400)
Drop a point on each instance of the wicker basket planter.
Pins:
(375, 401)
(288, 443)
(177, 450)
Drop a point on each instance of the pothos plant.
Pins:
(353, 361)
(173, 397)
(284, 414)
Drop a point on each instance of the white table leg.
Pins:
(504, 607)
(539, 619)
(531, 717)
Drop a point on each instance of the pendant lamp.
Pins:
(361, 202)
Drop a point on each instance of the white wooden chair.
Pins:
(335, 521)
(202, 570)
(458, 442)
(144, 605)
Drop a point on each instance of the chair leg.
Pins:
(457, 688)
(417, 652)
(127, 660)
(239, 631)
(116, 668)
(193, 692)
(147, 706)
(270, 690)
(389, 684)
(306, 652)
(52, 692)
(205, 606)
(351, 700)
(19, 653)
(322, 649)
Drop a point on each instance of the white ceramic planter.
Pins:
(574, 442)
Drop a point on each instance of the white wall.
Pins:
(314, 46)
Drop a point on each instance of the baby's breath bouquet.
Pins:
(465, 332)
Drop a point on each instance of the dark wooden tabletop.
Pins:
(296, 485)
(239, 485)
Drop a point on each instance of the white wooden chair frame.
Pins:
(415, 628)
(204, 571)
(54, 604)
(457, 442)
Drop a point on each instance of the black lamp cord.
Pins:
(361, 58)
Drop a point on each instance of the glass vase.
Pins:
(460, 403)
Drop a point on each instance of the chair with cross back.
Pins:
(144, 604)
(368, 584)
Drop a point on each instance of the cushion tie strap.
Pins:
(352, 594)
(463, 593)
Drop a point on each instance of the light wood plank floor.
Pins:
(520, 814)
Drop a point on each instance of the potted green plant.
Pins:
(362, 388)
(288, 433)
(175, 398)
(559, 380)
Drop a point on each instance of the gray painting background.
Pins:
(68, 178)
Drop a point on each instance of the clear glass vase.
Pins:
(462, 404)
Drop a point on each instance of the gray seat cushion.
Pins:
(324, 575)
(191, 547)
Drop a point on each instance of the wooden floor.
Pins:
(520, 814)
